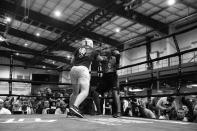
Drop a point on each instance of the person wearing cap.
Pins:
(80, 76)
(2, 109)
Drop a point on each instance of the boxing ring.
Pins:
(98, 122)
(89, 123)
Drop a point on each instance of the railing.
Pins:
(190, 57)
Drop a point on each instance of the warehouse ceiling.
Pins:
(53, 28)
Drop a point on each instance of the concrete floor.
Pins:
(90, 123)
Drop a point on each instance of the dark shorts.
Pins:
(108, 82)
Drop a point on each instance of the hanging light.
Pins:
(8, 19)
(57, 13)
(171, 2)
(26, 44)
(117, 30)
(37, 34)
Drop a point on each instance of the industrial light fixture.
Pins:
(135, 90)
(17, 54)
(8, 19)
(57, 13)
(117, 30)
(37, 34)
(25, 44)
(171, 2)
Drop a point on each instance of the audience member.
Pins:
(2, 109)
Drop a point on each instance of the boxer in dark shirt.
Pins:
(109, 81)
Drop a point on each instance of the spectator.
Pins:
(126, 108)
(195, 113)
(17, 108)
(62, 109)
(145, 112)
(167, 107)
(2, 109)
(46, 108)
(189, 106)
(52, 107)
(8, 105)
(49, 94)
(181, 115)
(152, 105)
(39, 107)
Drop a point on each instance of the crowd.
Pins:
(46, 102)
(162, 108)
(49, 102)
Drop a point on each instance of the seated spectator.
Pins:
(181, 115)
(195, 113)
(134, 107)
(17, 108)
(167, 107)
(26, 107)
(8, 105)
(38, 107)
(46, 108)
(152, 105)
(52, 107)
(49, 94)
(2, 109)
(145, 112)
(189, 106)
(58, 103)
(62, 109)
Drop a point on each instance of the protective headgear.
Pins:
(87, 42)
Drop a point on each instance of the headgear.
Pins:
(87, 42)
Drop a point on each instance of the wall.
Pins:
(22, 73)
(158, 49)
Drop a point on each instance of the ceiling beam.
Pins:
(33, 38)
(22, 59)
(131, 15)
(189, 4)
(36, 16)
(22, 50)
